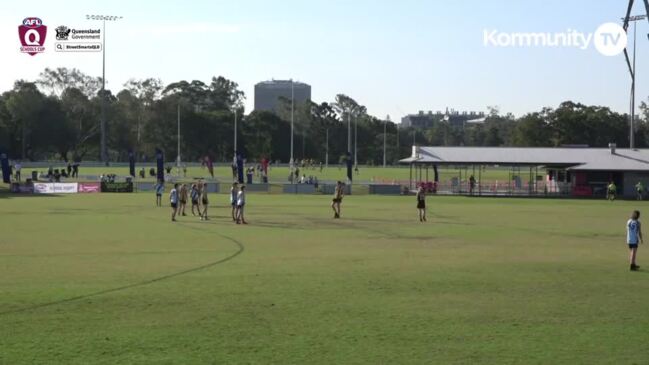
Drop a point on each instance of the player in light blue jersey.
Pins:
(159, 189)
(633, 238)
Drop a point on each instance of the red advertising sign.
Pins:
(89, 187)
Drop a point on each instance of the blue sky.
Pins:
(395, 57)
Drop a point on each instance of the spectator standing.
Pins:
(18, 168)
(639, 188)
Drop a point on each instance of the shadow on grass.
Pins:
(5, 194)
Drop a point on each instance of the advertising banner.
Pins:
(89, 187)
(55, 188)
(117, 187)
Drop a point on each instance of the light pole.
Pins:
(385, 129)
(178, 156)
(349, 131)
(398, 147)
(327, 150)
(633, 19)
(235, 132)
(103, 18)
(355, 142)
(291, 162)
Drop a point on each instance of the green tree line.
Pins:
(57, 117)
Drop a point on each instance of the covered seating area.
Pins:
(521, 171)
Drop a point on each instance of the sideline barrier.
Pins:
(17, 188)
(300, 189)
(213, 187)
(385, 189)
(145, 186)
(289, 189)
(150, 186)
(256, 188)
(330, 188)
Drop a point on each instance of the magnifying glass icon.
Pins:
(58, 46)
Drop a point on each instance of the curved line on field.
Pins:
(240, 250)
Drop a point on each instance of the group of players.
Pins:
(180, 195)
(197, 195)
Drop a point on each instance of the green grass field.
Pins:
(108, 279)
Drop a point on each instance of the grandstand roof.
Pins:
(599, 159)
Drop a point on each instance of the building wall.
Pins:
(429, 119)
(632, 178)
(268, 94)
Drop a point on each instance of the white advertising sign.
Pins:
(55, 188)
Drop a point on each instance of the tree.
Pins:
(225, 95)
(258, 130)
(533, 130)
(81, 120)
(493, 137)
(575, 123)
(56, 81)
(24, 103)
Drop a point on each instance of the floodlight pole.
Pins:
(178, 156)
(632, 127)
(327, 150)
(104, 148)
(349, 131)
(385, 127)
(102, 126)
(291, 162)
(355, 142)
(633, 19)
(398, 146)
(235, 132)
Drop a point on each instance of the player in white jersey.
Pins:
(633, 238)
(241, 202)
(173, 197)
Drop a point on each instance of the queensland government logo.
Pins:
(32, 35)
(62, 33)
(71, 39)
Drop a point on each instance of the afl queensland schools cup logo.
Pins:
(32, 35)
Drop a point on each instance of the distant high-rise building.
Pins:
(268, 93)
